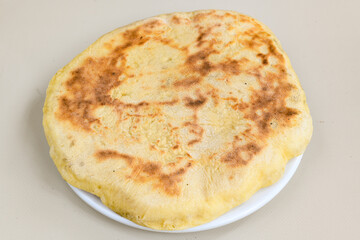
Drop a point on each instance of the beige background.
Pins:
(322, 39)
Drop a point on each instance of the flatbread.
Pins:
(176, 119)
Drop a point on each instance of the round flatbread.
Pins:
(176, 119)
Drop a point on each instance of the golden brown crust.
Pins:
(177, 93)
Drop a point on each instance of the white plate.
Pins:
(258, 200)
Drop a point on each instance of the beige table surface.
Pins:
(322, 39)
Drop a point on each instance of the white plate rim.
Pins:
(258, 200)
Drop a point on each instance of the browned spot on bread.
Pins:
(136, 106)
(106, 154)
(77, 110)
(203, 34)
(195, 103)
(263, 57)
(273, 51)
(198, 62)
(241, 155)
(191, 142)
(152, 24)
(175, 19)
(196, 130)
(230, 66)
(270, 102)
(198, 17)
(146, 171)
(172, 102)
(187, 82)
(214, 95)
(233, 99)
(151, 168)
(200, 39)
(169, 42)
(230, 15)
